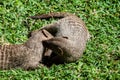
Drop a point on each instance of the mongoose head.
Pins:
(64, 47)
(36, 38)
(57, 44)
(35, 43)
(41, 35)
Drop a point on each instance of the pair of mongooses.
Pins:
(25, 56)
(70, 36)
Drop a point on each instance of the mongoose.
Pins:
(27, 55)
(70, 36)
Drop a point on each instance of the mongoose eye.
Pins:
(65, 37)
(44, 33)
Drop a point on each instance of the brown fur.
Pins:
(27, 55)
(70, 36)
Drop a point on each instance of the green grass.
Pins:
(101, 59)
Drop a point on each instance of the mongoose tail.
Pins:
(52, 15)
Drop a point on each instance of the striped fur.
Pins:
(27, 55)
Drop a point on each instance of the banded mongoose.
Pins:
(70, 36)
(27, 55)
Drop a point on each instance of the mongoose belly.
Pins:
(12, 56)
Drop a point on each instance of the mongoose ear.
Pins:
(29, 35)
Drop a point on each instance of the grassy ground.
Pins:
(101, 60)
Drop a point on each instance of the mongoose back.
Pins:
(70, 36)
(27, 55)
